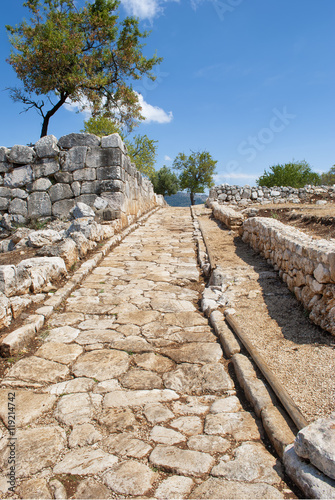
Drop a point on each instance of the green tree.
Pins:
(196, 172)
(165, 181)
(294, 174)
(142, 152)
(101, 126)
(141, 149)
(328, 178)
(79, 55)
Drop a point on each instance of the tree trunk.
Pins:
(192, 198)
(50, 113)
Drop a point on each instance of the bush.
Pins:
(291, 174)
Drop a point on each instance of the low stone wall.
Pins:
(307, 265)
(237, 195)
(51, 177)
(227, 215)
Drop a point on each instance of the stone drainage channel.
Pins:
(131, 394)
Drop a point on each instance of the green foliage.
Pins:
(82, 55)
(197, 172)
(328, 178)
(101, 126)
(165, 182)
(141, 149)
(294, 174)
(142, 152)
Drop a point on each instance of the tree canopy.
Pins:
(328, 178)
(165, 181)
(196, 172)
(83, 56)
(141, 149)
(294, 174)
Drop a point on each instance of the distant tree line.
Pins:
(296, 175)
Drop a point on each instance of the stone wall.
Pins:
(237, 195)
(51, 177)
(307, 265)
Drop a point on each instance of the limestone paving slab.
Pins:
(85, 461)
(130, 478)
(59, 352)
(39, 448)
(102, 365)
(193, 463)
(30, 406)
(39, 370)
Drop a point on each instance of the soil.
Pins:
(313, 220)
(16, 256)
(299, 353)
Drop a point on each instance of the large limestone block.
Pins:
(112, 141)
(21, 155)
(45, 167)
(18, 206)
(36, 449)
(46, 147)
(310, 480)
(82, 210)
(74, 159)
(110, 173)
(72, 140)
(104, 157)
(85, 174)
(4, 203)
(62, 208)
(60, 192)
(19, 177)
(14, 280)
(43, 237)
(102, 364)
(316, 442)
(39, 205)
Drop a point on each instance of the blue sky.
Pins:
(252, 82)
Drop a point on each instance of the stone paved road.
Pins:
(130, 396)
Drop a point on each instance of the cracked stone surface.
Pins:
(130, 393)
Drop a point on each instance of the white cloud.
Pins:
(154, 113)
(150, 113)
(145, 9)
(167, 158)
(79, 107)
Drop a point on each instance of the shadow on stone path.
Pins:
(130, 394)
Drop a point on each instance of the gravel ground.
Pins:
(301, 354)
